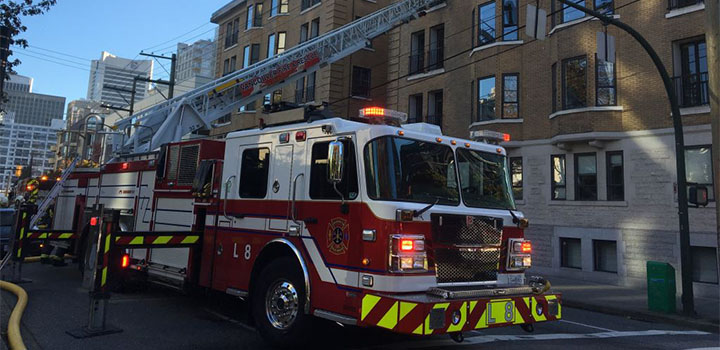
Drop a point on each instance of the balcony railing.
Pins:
(423, 62)
(676, 4)
(692, 89)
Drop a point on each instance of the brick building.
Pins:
(250, 31)
(592, 148)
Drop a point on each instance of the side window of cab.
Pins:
(255, 163)
(320, 188)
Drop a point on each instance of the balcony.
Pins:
(424, 62)
(676, 4)
(692, 90)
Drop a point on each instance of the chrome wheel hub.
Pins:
(281, 304)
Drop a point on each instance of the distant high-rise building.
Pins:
(31, 108)
(20, 142)
(111, 79)
(195, 60)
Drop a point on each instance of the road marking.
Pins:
(588, 326)
(484, 339)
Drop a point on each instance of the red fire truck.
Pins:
(366, 222)
(363, 220)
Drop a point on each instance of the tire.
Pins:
(286, 324)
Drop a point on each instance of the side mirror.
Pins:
(698, 195)
(335, 158)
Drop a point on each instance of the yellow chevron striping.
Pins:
(418, 330)
(107, 244)
(104, 276)
(42, 236)
(190, 239)
(537, 317)
(368, 303)
(405, 309)
(137, 240)
(162, 240)
(65, 235)
(472, 305)
(391, 317)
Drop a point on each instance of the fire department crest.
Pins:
(338, 236)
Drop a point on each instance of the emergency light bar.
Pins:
(489, 136)
(379, 115)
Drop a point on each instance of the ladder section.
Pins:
(172, 119)
(54, 192)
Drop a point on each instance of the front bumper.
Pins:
(423, 314)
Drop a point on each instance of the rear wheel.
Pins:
(278, 304)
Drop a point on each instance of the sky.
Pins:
(65, 39)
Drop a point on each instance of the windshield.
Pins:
(400, 169)
(484, 179)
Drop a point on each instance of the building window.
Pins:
(300, 90)
(254, 53)
(486, 98)
(558, 186)
(574, 72)
(486, 23)
(271, 46)
(435, 107)
(704, 263)
(417, 52)
(605, 256)
(553, 71)
(278, 7)
(254, 173)
(250, 16)
(226, 67)
(585, 177)
(304, 32)
(246, 56)
(571, 14)
(516, 175)
(510, 20)
(570, 253)
(676, 4)
(281, 36)
(258, 21)
(306, 4)
(605, 83)
(692, 83)
(315, 27)
(699, 168)
(320, 188)
(360, 82)
(436, 55)
(606, 7)
(310, 89)
(615, 176)
(231, 33)
(415, 108)
(511, 102)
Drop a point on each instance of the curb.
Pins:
(705, 325)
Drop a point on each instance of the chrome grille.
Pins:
(466, 248)
(188, 164)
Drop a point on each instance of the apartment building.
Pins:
(592, 152)
(253, 30)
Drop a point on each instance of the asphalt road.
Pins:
(163, 319)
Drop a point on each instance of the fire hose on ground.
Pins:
(13, 332)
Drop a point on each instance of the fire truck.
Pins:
(364, 220)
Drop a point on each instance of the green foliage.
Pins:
(11, 16)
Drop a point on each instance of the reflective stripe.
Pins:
(368, 303)
(137, 240)
(104, 276)
(390, 319)
(162, 240)
(65, 235)
(190, 239)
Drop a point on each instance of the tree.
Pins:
(11, 16)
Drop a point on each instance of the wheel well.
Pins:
(269, 253)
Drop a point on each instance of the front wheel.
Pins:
(278, 304)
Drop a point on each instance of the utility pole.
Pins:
(173, 70)
(712, 39)
(688, 300)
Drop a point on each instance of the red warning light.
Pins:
(93, 221)
(373, 111)
(125, 261)
(124, 166)
(506, 137)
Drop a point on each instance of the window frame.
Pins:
(418, 99)
(267, 171)
(281, 38)
(432, 116)
(553, 184)
(612, 7)
(613, 86)
(271, 45)
(479, 109)
(522, 175)
(710, 186)
(349, 154)
(564, 82)
(515, 32)
(596, 256)
(250, 17)
(258, 20)
(608, 182)
(517, 93)
(576, 178)
(695, 265)
(481, 22)
(563, 7)
(563, 253)
(354, 88)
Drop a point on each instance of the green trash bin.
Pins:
(661, 287)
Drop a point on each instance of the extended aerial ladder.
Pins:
(197, 109)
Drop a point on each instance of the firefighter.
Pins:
(47, 249)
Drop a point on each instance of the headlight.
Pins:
(519, 254)
(407, 254)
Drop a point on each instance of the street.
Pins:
(164, 319)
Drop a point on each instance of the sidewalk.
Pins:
(631, 302)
